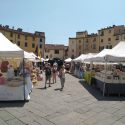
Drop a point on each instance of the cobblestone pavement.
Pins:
(77, 104)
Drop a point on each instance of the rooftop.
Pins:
(110, 27)
(54, 46)
(82, 37)
(20, 31)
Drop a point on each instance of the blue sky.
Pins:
(61, 19)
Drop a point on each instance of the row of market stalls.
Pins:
(15, 65)
(105, 70)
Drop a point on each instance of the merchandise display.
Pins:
(34, 76)
(13, 85)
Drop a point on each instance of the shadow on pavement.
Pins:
(57, 89)
(4, 104)
(75, 76)
(44, 88)
(98, 95)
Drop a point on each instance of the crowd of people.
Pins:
(51, 72)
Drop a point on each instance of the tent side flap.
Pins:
(117, 54)
(12, 54)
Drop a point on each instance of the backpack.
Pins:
(48, 71)
(60, 73)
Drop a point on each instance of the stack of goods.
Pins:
(34, 76)
(4, 65)
(40, 76)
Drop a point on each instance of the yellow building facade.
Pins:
(54, 51)
(93, 43)
(72, 48)
(90, 44)
(82, 44)
(109, 36)
(25, 40)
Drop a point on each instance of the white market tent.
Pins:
(33, 54)
(89, 55)
(100, 57)
(117, 54)
(80, 58)
(46, 60)
(29, 56)
(83, 57)
(68, 60)
(8, 49)
(40, 59)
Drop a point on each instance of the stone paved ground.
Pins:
(78, 104)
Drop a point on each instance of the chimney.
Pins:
(19, 29)
(7, 26)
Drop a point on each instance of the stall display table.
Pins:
(109, 87)
(14, 90)
(8, 93)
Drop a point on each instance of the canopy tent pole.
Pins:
(24, 78)
(120, 82)
(105, 77)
